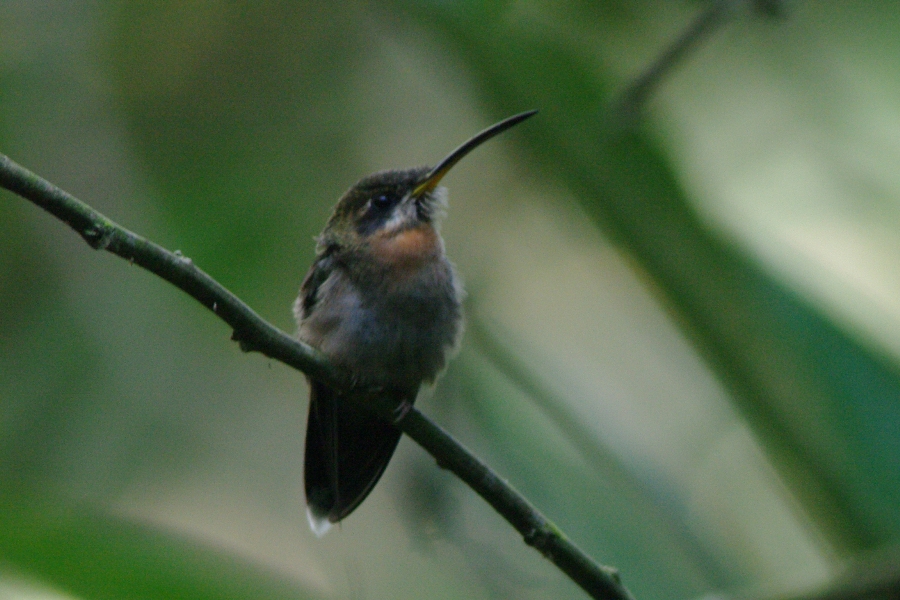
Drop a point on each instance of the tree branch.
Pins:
(255, 334)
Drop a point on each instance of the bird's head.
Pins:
(390, 203)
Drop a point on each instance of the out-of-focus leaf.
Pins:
(653, 522)
(210, 92)
(825, 406)
(95, 555)
(601, 509)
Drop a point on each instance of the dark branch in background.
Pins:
(255, 334)
(625, 111)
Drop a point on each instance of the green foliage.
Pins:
(96, 555)
(817, 396)
(227, 130)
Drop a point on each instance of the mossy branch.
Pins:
(255, 334)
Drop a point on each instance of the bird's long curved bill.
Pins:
(434, 176)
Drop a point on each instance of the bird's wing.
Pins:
(309, 290)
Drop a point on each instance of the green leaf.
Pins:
(97, 555)
(819, 399)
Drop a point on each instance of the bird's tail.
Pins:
(347, 450)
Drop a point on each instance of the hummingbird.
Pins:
(383, 302)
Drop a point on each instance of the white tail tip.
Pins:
(319, 525)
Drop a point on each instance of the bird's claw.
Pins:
(401, 410)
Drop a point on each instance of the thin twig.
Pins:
(255, 334)
(626, 109)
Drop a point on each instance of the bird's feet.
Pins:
(401, 410)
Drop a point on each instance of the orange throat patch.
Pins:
(408, 249)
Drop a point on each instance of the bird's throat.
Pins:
(408, 249)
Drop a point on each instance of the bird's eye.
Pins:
(382, 201)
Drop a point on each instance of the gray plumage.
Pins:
(382, 301)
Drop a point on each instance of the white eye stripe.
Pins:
(400, 218)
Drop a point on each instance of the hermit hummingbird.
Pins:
(382, 302)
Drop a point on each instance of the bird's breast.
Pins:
(397, 324)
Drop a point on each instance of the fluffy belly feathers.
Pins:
(400, 336)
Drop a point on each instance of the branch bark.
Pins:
(255, 334)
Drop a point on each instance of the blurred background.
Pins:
(683, 338)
